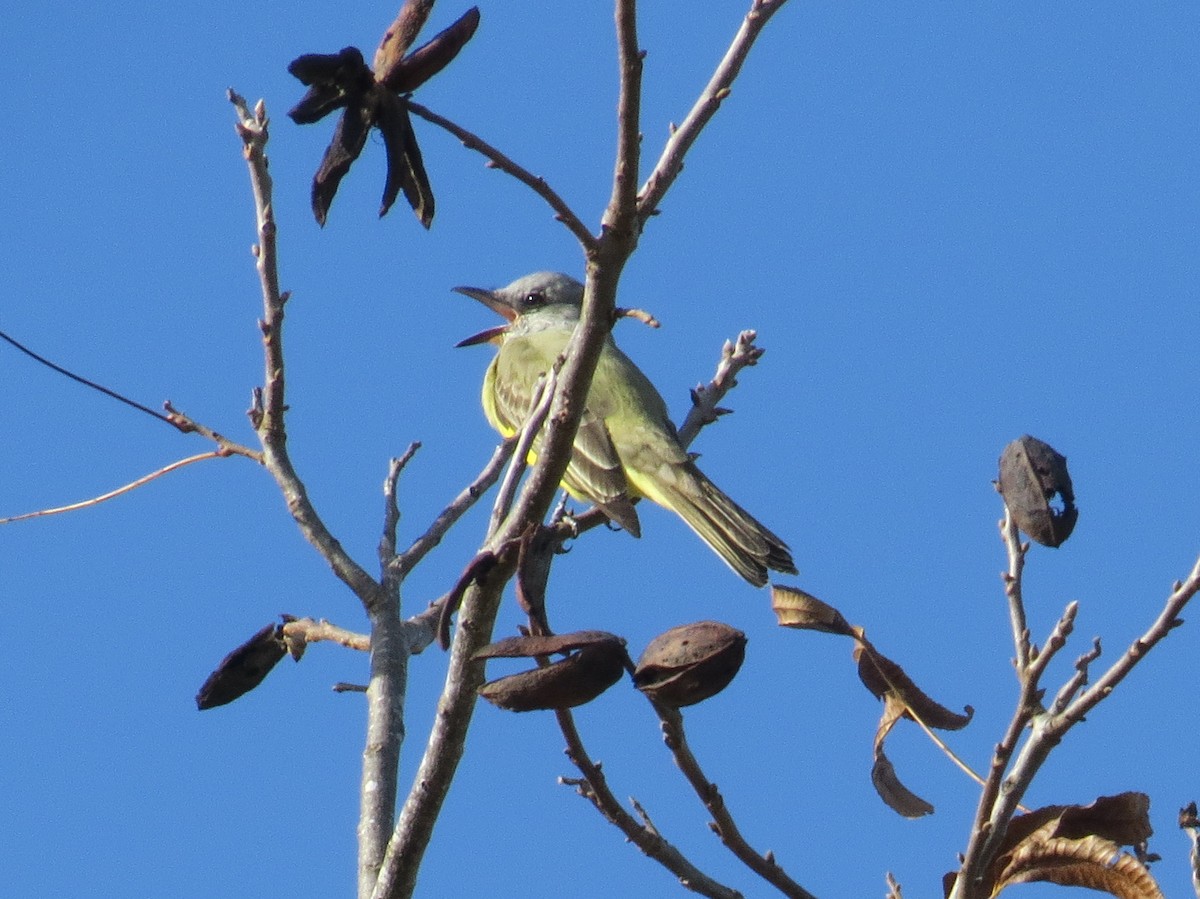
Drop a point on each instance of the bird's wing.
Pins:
(595, 474)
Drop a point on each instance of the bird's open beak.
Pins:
(497, 305)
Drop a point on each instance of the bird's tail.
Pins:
(734, 534)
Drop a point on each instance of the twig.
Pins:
(407, 560)
(146, 479)
(1012, 589)
(1047, 729)
(620, 223)
(594, 788)
(735, 355)
(670, 163)
(252, 129)
(391, 517)
(723, 823)
(498, 160)
(189, 425)
(1167, 620)
(640, 315)
(1077, 681)
(303, 631)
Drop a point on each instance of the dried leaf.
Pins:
(795, 608)
(425, 62)
(690, 663)
(1091, 862)
(405, 168)
(1031, 474)
(1124, 819)
(348, 141)
(885, 678)
(1080, 846)
(243, 669)
(577, 679)
(334, 80)
(883, 774)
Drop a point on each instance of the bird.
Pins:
(626, 446)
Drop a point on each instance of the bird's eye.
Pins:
(537, 298)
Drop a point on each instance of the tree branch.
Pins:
(112, 494)
(1003, 793)
(670, 163)
(735, 355)
(300, 632)
(407, 560)
(606, 257)
(498, 160)
(594, 788)
(252, 128)
(723, 823)
(1012, 589)
(390, 574)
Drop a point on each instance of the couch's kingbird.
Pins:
(626, 446)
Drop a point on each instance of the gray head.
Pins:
(560, 294)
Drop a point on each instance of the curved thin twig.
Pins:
(670, 163)
(723, 823)
(96, 500)
(407, 560)
(593, 787)
(498, 160)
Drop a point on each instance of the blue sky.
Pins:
(951, 224)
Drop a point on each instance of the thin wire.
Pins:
(74, 377)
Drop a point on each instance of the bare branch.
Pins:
(620, 218)
(594, 788)
(385, 735)
(96, 500)
(1012, 589)
(735, 355)
(723, 823)
(391, 516)
(299, 632)
(1167, 620)
(227, 447)
(670, 163)
(498, 160)
(252, 128)
(389, 640)
(1047, 729)
(407, 560)
(1077, 681)
(443, 751)
(539, 408)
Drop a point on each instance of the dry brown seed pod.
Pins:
(579, 678)
(1032, 473)
(690, 663)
